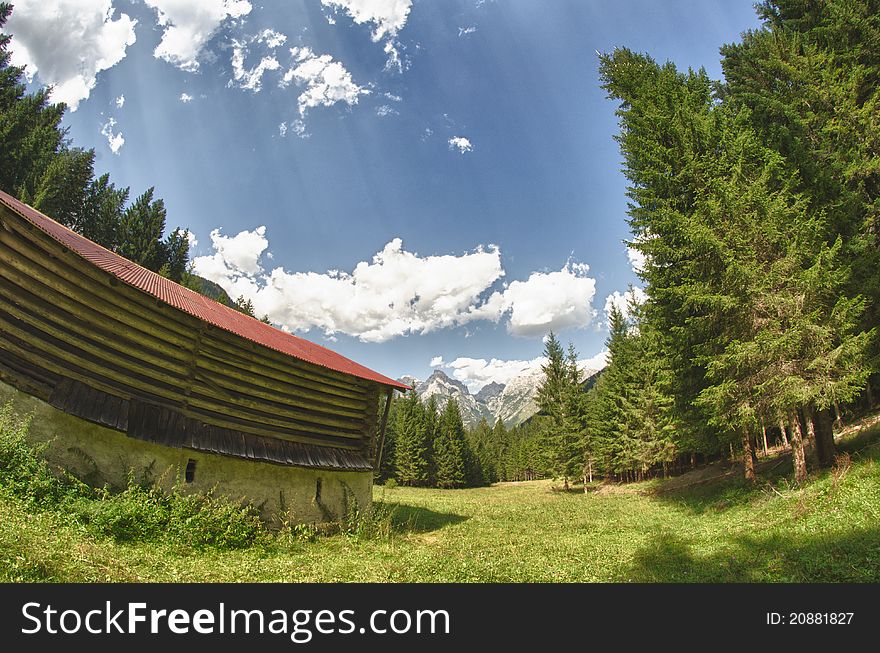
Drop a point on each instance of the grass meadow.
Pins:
(707, 526)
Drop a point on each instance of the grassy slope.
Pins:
(829, 530)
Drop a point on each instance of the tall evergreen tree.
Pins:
(412, 447)
(141, 230)
(63, 188)
(450, 449)
(176, 255)
(30, 127)
(104, 206)
(558, 397)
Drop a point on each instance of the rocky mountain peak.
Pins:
(489, 391)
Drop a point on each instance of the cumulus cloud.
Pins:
(387, 18)
(236, 255)
(464, 31)
(251, 78)
(477, 372)
(461, 144)
(396, 293)
(546, 301)
(190, 25)
(186, 97)
(120, 101)
(399, 292)
(326, 81)
(86, 38)
(437, 361)
(623, 301)
(115, 141)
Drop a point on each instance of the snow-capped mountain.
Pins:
(513, 402)
(443, 388)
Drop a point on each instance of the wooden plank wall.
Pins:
(112, 354)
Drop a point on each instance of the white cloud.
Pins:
(477, 372)
(464, 31)
(396, 293)
(193, 241)
(239, 254)
(546, 301)
(68, 42)
(186, 97)
(115, 141)
(386, 110)
(190, 25)
(299, 128)
(252, 78)
(282, 129)
(460, 143)
(437, 361)
(387, 17)
(399, 292)
(636, 260)
(120, 101)
(326, 81)
(622, 301)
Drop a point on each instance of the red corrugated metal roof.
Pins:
(192, 302)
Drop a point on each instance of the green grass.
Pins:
(826, 531)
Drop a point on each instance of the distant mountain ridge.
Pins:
(513, 403)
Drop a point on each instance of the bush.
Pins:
(142, 512)
(150, 514)
(24, 473)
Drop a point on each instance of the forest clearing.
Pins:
(705, 526)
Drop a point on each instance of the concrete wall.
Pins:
(99, 456)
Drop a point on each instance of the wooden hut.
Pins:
(128, 371)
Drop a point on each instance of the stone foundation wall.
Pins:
(99, 456)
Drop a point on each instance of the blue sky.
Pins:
(452, 164)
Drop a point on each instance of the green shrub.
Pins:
(24, 472)
(142, 512)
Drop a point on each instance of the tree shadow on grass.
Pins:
(415, 519)
(852, 556)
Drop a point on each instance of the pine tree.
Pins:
(558, 398)
(141, 230)
(432, 426)
(102, 214)
(450, 449)
(63, 187)
(500, 447)
(176, 255)
(412, 447)
(30, 127)
(483, 470)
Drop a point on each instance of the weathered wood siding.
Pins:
(100, 349)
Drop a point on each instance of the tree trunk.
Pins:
(838, 416)
(749, 458)
(806, 422)
(782, 433)
(764, 435)
(797, 449)
(823, 429)
(869, 395)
